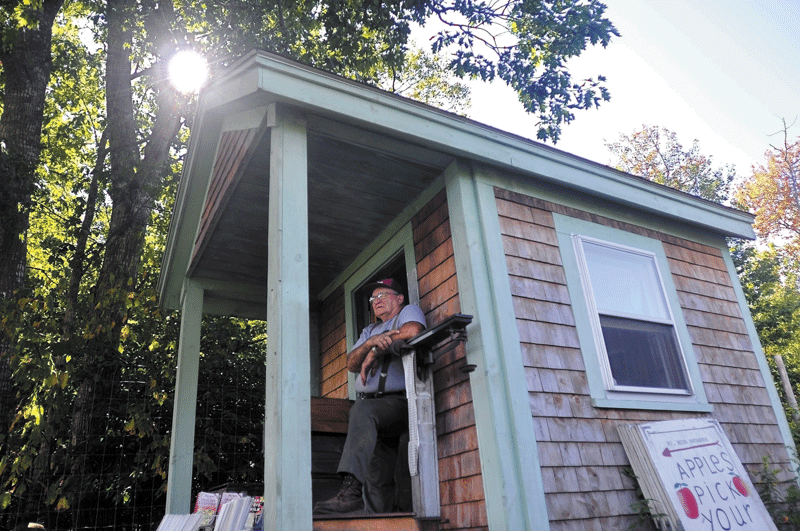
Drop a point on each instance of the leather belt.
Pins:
(364, 396)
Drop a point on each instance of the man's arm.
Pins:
(381, 342)
(408, 331)
(365, 359)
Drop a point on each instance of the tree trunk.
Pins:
(77, 263)
(135, 183)
(26, 63)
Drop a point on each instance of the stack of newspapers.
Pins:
(239, 513)
(181, 522)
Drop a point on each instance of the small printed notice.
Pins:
(207, 503)
(692, 477)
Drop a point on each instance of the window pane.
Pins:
(643, 354)
(624, 282)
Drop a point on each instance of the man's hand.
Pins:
(382, 341)
(380, 344)
(357, 361)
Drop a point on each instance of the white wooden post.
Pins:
(181, 449)
(287, 428)
(425, 483)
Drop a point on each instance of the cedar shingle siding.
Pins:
(461, 485)
(333, 346)
(582, 459)
(581, 456)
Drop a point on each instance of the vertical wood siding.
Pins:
(235, 150)
(461, 486)
(580, 452)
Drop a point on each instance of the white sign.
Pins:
(700, 475)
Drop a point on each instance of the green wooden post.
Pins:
(181, 449)
(287, 437)
(512, 481)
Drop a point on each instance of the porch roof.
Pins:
(370, 155)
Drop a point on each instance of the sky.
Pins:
(723, 72)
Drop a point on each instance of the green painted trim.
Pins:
(314, 354)
(763, 365)
(185, 221)
(512, 480)
(268, 76)
(349, 333)
(566, 227)
(401, 241)
(181, 448)
(287, 423)
(247, 119)
(652, 406)
(592, 205)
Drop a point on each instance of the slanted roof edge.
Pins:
(276, 78)
(314, 89)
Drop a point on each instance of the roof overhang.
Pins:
(406, 131)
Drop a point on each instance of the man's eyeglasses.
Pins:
(380, 297)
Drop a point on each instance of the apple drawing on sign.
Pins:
(740, 486)
(688, 500)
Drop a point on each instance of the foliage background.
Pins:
(92, 138)
(88, 406)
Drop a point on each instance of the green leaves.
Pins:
(427, 78)
(770, 283)
(5, 500)
(527, 44)
(655, 154)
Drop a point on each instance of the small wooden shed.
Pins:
(597, 297)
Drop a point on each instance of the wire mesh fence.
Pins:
(116, 478)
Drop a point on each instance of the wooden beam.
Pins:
(197, 170)
(287, 426)
(330, 415)
(425, 480)
(378, 522)
(181, 448)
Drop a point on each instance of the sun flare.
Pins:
(188, 71)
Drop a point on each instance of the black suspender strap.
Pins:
(387, 359)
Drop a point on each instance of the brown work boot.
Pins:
(348, 499)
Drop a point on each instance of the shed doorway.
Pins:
(395, 269)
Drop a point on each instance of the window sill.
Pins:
(656, 405)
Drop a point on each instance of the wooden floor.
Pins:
(374, 522)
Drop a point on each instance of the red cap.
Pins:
(385, 283)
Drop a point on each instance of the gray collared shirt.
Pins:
(395, 380)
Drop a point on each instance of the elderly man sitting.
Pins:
(381, 410)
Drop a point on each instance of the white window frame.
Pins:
(572, 232)
(594, 316)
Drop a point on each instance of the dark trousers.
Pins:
(370, 450)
